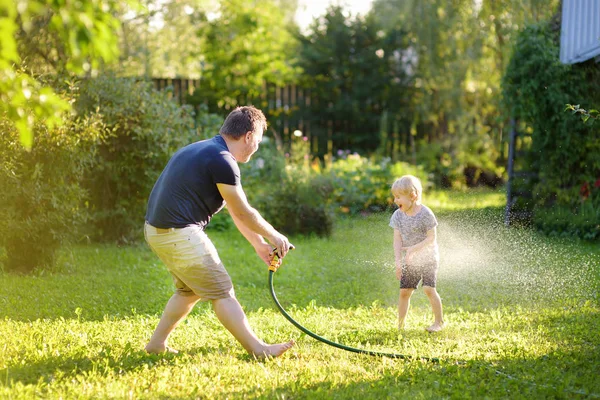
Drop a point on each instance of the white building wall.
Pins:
(580, 31)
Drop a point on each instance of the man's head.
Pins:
(245, 127)
(243, 120)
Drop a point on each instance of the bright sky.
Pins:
(309, 9)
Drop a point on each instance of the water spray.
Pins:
(273, 267)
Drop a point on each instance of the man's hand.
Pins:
(281, 243)
(265, 252)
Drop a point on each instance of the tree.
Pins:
(78, 36)
(461, 51)
(245, 47)
(161, 40)
(355, 72)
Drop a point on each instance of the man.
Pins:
(196, 183)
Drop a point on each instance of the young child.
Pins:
(415, 234)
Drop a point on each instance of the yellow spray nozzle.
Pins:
(276, 261)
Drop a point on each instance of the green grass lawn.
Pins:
(522, 313)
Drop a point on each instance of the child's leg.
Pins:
(436, 306)
(403, 304)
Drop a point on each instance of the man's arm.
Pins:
(250, 219)
(263, 249)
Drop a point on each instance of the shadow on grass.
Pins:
(107, 361)
(543, 377)
(65, 368)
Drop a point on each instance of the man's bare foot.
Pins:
(274, 350)
(151, 349)
(436, 327)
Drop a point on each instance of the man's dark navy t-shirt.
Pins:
(186, 192)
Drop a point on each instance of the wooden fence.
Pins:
(293, 108)
(181, 88)
(285, 107)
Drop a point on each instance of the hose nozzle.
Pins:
(274, 266)
(276, 261)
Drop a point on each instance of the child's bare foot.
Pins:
(274, 350)
(153, 349)
(436, 327)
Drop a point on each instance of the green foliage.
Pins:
(585, 114)
(458, 51)
(298, 206)
(71, 37)
(161, 40)
(564, 151)
(363, 184)
(146, 129)
(459, 161)
(167, 40)
(265, 169)
(291, 199)
(581, 220)
(245, 47)
(300, 196)
(207, 124)
(354, 72)
(43, 202)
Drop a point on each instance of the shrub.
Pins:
(291, 198)
(299, 197)
(564, 150)
(581, 220)
(362, 184)
(146, 128)
(207, 124)
(265, 170)
(43, 200)
(298, 204)
(460, 161)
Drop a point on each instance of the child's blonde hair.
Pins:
(408, 184)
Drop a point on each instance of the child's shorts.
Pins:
(192, 260)
(413, 274)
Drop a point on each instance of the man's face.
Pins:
(252, 141)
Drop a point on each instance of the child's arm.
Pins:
(431, 238)
(398, 252)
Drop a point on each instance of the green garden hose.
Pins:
(272, 268)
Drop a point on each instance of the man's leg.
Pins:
(232, 316)
(177, 308)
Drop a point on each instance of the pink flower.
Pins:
(597, 183)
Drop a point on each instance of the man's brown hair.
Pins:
(242, 120)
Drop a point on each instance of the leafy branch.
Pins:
(585, 114)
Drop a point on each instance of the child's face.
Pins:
(404, 201)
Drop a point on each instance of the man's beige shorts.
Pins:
(193, 261)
